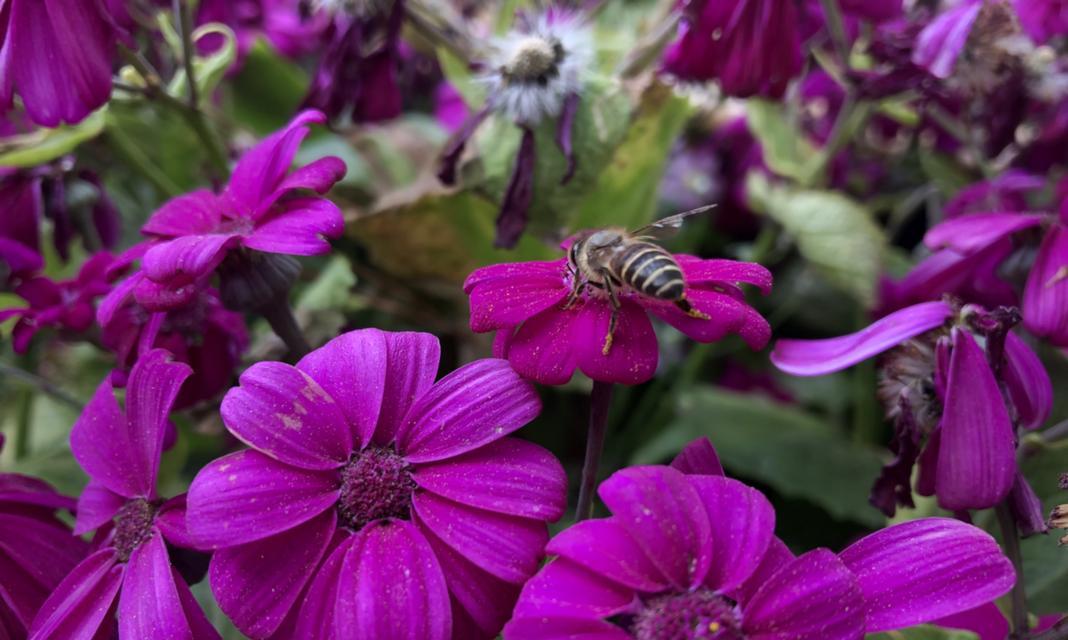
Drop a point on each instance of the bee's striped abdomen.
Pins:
(650, 270)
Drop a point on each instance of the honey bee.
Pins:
(614, 259)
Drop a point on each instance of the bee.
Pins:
(614, 259)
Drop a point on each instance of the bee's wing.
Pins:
(670, 225)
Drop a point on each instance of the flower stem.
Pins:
(1011, 541)
(600, 399)
(836, 26)
(41, 384)
(280, 317)
(184, 22)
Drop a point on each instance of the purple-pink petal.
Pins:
(281, 411)
(187, 258)
(542, 349)
(506, 547)
(248, 496)
(819, 357)
(701, 273)
(977, 458)
(563, 629)
(942, 41)
(318, 175)
(101, 443)
(726, 315)
(1045, 297)
(604, 547)
(79, 605)
(566, 590)
(154, 384)
(194, 213)
(664, 514)
(777, 556)
(968, 234)
(698, 458)
(392, 586)
(813, 597)
(509, 476)
(413, 364)
(257, 584)
(171, 522)
(316, 617)
(297, 226)
(742, 525)
(926, 569)
(986, 621)
(1027, 383)
(96, 506)
(477, 404)
(634, 352)
(505, 302)
(149, 606)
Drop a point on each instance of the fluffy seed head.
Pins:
(908, 370)
(375, 484)
(699, 615)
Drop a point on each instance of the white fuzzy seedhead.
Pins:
(534, 69)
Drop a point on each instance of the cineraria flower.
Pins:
(56, 56)
(937, 385)
(129, 581)
(688, 554)
(537, 73)
(67, 305)
(546, 335)
(202, 334)
(37, 549)
(753, 47)
(391, 506)
(358, 68)
(260, 214)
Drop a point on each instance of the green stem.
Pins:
(141, 163)
(22, 429)
(600, 399)
(184, 22)
(837, 28)
(41, 384)
(1011, 542)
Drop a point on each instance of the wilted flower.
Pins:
(37, 549)
(130, 576)
(390, 506)
(752, 47)
(260, 214)
(67, 305)
(937, 385)
(1059, 518)
(546, 339)
(537, 73)
(689, 554)
(56, 55)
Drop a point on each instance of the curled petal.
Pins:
(298, 226)
(942, 41)
(968, 234)
(1045, 298)
(564, 124)
(725, 315)
(512, 219)
(702, 273)
(1027, 382)
(698, 458)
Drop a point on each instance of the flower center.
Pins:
(909, 370)
(133, 525)
(700, 615)
(534, 61)
(376, 483)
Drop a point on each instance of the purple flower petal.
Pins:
(187, 258)
(507, 547)
(604, 547)
(563, 628)
(969, 234)
(926, 569)
(392, 587)
(101, 443)
(698, 458)
(509, 476)
(512, 219)
(743, 525)
(986, 621)
(726, 315)
(96, 506)
(454, 147)
(664, 514)
(977, 458)
(257, 594)
(567, 590)
(477, 404)
(298, 226)
(79, 605)
(819, 357)
(500, 302)
(194, 615)
(564, 125)
(316, 617)
(281, 411)
(510, 271)
(150, 394)
(700, 272)
(776, 557)
(942, 41)
(634, 352)
(319, 176)
(542, 348)
(149, 606)
(1026, 508)
(171, 522)
(35, 556)
(1027, 383)
(195, 213)
(1045, 297)
(814, 596)
(247, 496)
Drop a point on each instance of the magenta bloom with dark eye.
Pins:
(753, 47)
(56, 56)
(129, 579)
(37, 549)
(525, 304)
(389, 505)
(691, 555)
(938, 385)
(262, 209)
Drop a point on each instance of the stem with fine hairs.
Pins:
(600, 399)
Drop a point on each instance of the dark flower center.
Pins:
(133, 525)
(699, 615)
(536, 61)
(907, 373)
(376, 483)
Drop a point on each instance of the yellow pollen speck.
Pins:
(714, 626)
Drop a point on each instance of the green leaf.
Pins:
(331, 289)
(460, 77)
(786, 150)
(944, 172)
(268, 90)
(835, 234)
(43, 145)
(1045, 563)
(924, 632)
(794, 452)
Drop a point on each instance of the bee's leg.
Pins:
(576, 288)
(613, 301)
(687, 308)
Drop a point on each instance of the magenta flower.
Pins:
(938, 386)
(261, 210)
(942, 42)
(753, 47)
(56, 55)
(689, 554)
(525, 303)
(394, 506)
(20, 219)
(129, 577)
(1042, 19)
(37, 549)
(67, 305)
